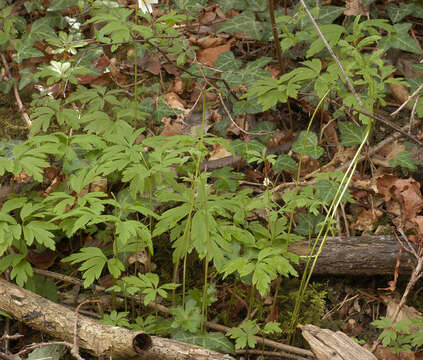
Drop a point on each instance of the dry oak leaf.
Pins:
(210, 55)
(208, 17)
(219, 152)
(177, 86)
(402, 197)
(174, 101)
(385, 353)
(399, 92)
(355, 7)
(151, 63)
(210, 41)
(171, 127)
(367, 219)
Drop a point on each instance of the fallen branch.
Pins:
(163, 309)
(357, 255)
(327, 344)
(98, 339)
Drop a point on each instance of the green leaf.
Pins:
(115, 267)
(383, 323)
(307, 144)
(245, 23)
(332, 33)
(93, 261)
(227, 62)
(21, 271)
(397, 13)
(284, 162)
(212, 340)
(272, 327)
(53, 352)
(39, 231)
(58, 5)
(186, 318)
(24, 49)
(309, 224)
(401, 39)
(405, 160)
(244, 335)
(351, 133)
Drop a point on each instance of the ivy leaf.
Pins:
(401, 39)
(351, 133)
(397, 13)
(245, 23)
(227, 61)
(226, 179)
(52, 352)
(326, 15)
(308, 142)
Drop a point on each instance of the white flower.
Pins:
(145, 5)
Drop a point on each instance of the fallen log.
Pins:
(356, 255)
(99, 339)
(331, 345)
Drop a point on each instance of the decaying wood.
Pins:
(330, 345)
(357, 255)
(99, 339)
(295, 352)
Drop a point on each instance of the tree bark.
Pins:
(98, 339)
(357, 255)
(331, 345)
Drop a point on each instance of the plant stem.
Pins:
(276, 36)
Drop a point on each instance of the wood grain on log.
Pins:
(331, 345)
(357, 255)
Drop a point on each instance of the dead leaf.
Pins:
(174, 101)
(172, 127)
(171, 69)
(391, 150)
(308, 165)
(99, 185)
(209, 56)
(208, 17)
(42, 260)
(274, 71)
(151, 63)
(219, 152)
(367, 219)
(400, 92)
(177, 86)
(355, 7)
(385, 353)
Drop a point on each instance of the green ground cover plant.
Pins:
(132, 190)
